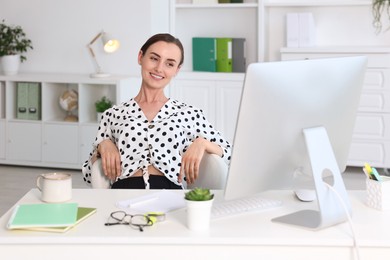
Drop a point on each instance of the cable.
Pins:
(356, 246)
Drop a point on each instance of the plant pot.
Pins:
(99, 116)
(198, 214)
(10, 64)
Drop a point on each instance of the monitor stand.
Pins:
(331, 210)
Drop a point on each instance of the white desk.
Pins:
(249, 236)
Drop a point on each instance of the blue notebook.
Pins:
(43, 215)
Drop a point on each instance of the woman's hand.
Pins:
(110, 157)
(190, 161)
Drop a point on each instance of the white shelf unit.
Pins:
(240, 20)
(51, 141)
(371, 138)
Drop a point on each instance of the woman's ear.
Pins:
(177, 71)
(140, 55)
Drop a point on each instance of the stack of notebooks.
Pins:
(58, 217)
(218, 54)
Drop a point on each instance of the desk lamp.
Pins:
(110, 45)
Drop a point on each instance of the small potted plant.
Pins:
(199, 202)
(102, 105)
(13, 45)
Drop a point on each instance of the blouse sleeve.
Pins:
(103, 133)
(206, 130)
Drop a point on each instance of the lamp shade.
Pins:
(110, 44)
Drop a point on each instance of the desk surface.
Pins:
(252, 233)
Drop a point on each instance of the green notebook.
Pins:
(43, 215)
(82, 213)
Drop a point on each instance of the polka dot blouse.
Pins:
(160, 143)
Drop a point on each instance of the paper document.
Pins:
(161, 201)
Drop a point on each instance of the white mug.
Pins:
(55, 187)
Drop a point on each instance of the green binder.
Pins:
(204, 54)
(224, 55)
(34, 101)
(22, 101)
(28, 101)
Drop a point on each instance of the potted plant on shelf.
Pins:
(102, 105)
(378, 7)
(199, 202)
(13, 45)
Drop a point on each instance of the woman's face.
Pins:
(159, 64)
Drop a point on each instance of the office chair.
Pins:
(212, 174)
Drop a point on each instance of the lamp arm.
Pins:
(96, 37)
(98, 68)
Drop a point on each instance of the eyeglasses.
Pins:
(136, 221)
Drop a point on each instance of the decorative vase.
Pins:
(10, 64)
(198, 214)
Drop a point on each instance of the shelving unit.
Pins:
(371, 138)
(51, 141)
(189, 20)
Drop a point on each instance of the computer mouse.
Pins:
(305, 195)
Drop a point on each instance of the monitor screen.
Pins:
(279, 101)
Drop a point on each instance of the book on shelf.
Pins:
(25, 216)
(300, 30)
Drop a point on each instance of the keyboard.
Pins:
(242, 205)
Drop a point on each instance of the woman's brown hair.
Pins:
(165, 37)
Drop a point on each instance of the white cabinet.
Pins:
(24, 141)
(60, 143)
(371, 138)
(218, 98)
(52, 141)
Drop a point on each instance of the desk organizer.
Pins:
(378, 193)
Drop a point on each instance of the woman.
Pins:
(152, 141)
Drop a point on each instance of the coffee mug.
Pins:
(55, 187)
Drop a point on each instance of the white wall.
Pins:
(61, 29)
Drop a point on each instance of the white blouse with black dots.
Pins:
(160, 143)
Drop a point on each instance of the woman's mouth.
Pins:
(156, 76)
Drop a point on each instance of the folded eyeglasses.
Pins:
(138, 221)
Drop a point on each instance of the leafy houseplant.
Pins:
(13, 41)
(103, 104)
(378, 7)
(199, 194)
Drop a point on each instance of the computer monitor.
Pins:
(297, 116)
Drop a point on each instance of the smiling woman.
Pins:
(152, 141)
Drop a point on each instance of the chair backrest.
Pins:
(212, 174)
